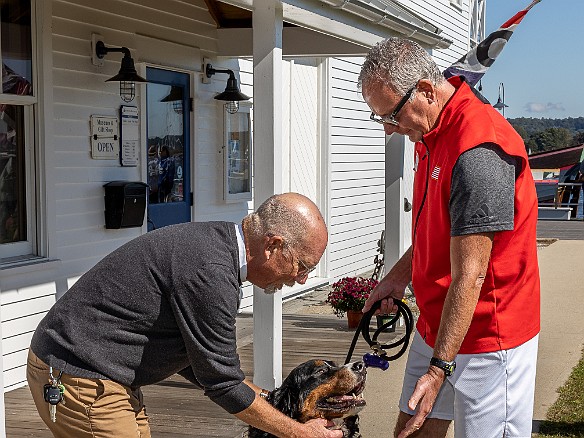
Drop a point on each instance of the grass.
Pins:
(565, 418)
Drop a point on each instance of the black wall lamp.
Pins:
(176, 97)
(231, 95)
(500, 105)
(127, 76)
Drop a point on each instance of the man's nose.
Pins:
(301, 279)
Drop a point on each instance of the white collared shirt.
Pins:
(242, 257)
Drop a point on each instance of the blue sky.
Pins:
(542, 66)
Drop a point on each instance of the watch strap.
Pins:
(447, 367)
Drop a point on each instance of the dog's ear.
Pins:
(285, 398)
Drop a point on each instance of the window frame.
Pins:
(15, 252)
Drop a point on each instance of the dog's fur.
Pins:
(321, 389)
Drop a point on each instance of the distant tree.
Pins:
(534, 125)
(522, 132)
(578, 139)
(551, 139)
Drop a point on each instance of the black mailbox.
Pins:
(125, 203)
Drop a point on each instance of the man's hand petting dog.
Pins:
(321, 390)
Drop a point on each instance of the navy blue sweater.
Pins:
(161, 304)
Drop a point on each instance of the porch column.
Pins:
(268, 176)
(2, 406)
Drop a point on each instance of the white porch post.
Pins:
(2, 406)
(268, 176)
(395, 223)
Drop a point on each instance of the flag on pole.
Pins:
(475, 63)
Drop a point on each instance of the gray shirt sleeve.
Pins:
(482, 191)
(205, 309)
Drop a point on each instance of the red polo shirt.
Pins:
(507, 313)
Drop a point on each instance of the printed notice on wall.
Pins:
(104, 138)
(130, 136)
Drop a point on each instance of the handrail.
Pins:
(560, 192)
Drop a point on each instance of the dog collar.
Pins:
(264, 393)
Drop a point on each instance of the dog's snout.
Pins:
(358, 366)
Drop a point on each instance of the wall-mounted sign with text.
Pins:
(105, 138)
(130, 136)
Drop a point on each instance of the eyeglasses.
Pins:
(303, 268)
(390, 120)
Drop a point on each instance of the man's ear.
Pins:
(273, 244)
(426, 89)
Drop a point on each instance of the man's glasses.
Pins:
(303, 268)
(390, 120)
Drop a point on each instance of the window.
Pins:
(237, 154)
(17, 227)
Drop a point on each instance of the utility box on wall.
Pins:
(125, 204)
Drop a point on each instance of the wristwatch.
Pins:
(447, 367)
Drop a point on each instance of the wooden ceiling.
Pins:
(227, 16)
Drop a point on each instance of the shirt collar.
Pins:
(242, 257)
(451, 111)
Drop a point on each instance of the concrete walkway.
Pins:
(562, 330)
(560, 344)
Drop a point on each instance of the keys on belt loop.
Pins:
(53, 393)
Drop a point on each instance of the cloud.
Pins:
(535, 107)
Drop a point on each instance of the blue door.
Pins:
(168, 147)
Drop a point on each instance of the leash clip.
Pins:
(377, 349)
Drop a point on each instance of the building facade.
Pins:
(66, 133)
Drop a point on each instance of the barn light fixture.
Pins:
(176, 97)
(231, 95)
(127, 76)
(500, 105)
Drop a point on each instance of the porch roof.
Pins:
(359, 24)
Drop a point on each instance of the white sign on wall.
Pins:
(130, 135)
(105, 144)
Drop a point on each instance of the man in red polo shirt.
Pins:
(473, 260)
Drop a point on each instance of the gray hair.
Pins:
(275, 217)
(399, 64)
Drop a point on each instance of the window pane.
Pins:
(165, 143)
(12, 175)
(16, 47)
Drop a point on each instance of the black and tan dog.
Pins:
(321, 389)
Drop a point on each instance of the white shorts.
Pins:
(489, 394)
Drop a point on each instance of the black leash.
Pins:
(380, 358)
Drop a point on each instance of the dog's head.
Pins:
(321, 389)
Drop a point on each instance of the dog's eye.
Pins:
(321, 371)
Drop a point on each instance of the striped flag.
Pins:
(475, 63)
(435, 173)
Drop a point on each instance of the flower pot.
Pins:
(354, 318)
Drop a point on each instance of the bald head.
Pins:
(292, 216)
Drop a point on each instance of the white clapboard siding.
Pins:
(357, 173)
(454, 22)
(160, 33)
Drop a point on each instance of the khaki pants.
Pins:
(94, 408)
